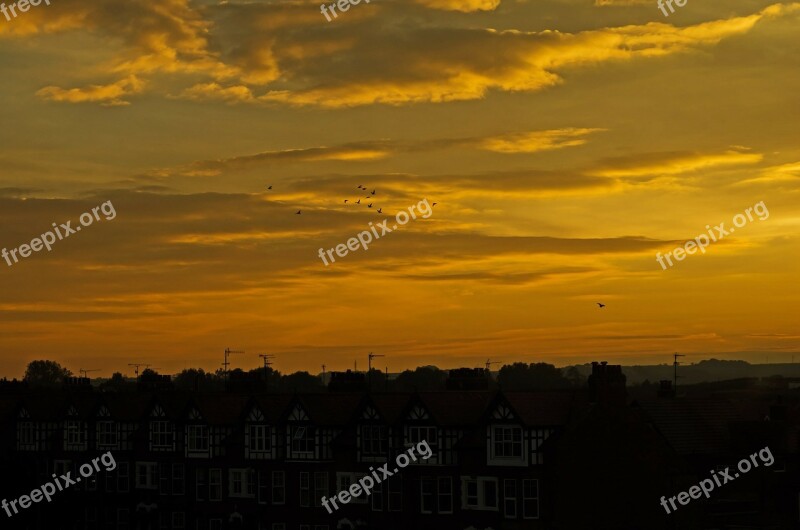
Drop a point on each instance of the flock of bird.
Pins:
(371, 196)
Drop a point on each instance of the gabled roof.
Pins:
(456, 408)
(544, 408)
(693, 426)
(326, 409)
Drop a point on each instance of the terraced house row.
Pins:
(501, 460)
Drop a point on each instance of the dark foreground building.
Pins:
(587, 458)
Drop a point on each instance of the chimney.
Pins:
(607, 384)
(665, 389)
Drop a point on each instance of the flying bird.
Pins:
(379, 210)
(434, 204)
(361, 187)
(269, 188)
(298, 212)
(369, 205)
(373, 192)
(601, 305)
(358, 201)
(345, 200)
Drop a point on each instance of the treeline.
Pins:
(511, 377)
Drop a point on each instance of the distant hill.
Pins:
(702, 372)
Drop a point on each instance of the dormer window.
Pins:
(197, 438)
(506, 441)
(303, 440)
(107, 434)
(75, 432)
(374, 440)
(162, 433)
(260, 441)
(161, 430)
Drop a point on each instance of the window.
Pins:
(76, 434)
(305, 489)
(428, 495)
(123, 477)
(106, 434)
(178, 479)
(530, 498)
(510, 498)
(302, 441)
(164, 478)
(479, 493)
(122, 518)
(27, 433)
(146, 475)
(471, 493)
(263, 487)
(215, 524)
(198, 438)
(178, 520)
(91, 482)
(396, 493)
(278, 487)
(200, 484)
(436, 495)
(111, 480)
(161, 432)
(417, 434)
(490, 493)
(242, 483)
(445, 495)
(320, 487)
(215, 485)
(374, 440)
(259, 439)
(507, 441)
(377, 498)
(344, 480)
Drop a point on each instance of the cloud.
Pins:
(280, 53)
(214, 91)
(531, 142)
(461, 5)
(673, 163)
(785, 173)
(109, 95)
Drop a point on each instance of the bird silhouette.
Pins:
(361, 187)
(298, 212)
(369, 205)
(601, 305)
(373, 192)
(269, 188)
(358, 201)
(345, 200)
(379, 210)
(434, 204)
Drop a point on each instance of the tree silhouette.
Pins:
(45, 374)
(538, 376)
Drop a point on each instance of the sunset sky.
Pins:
(566, 142)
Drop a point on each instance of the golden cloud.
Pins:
(109, 95)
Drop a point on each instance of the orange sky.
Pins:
(565, 142)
